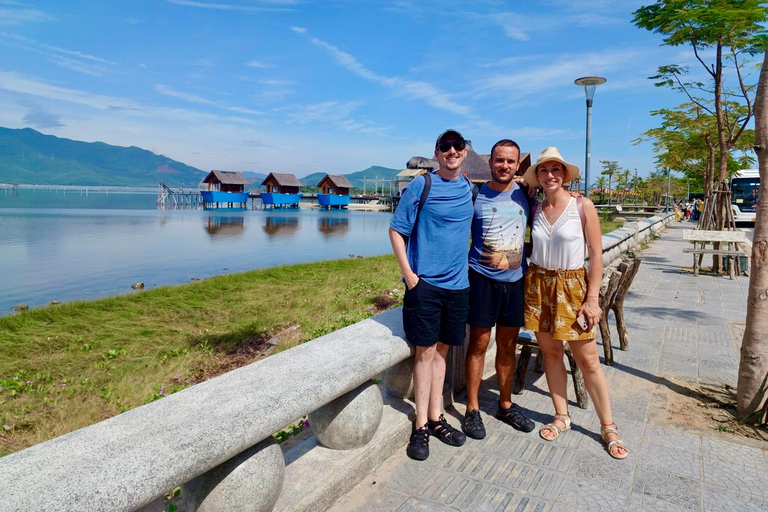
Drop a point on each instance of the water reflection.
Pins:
(225, 226)
(277, 225)
(333, 226)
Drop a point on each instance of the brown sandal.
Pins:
(565, 418)
(613, 429)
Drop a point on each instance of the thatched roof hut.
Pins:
(282, 183)
(335, 184)
(225, 181)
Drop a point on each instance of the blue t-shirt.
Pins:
(498, 234)
(437, 252)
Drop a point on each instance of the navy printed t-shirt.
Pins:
(498, 234)
(437, 252)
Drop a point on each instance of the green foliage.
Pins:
(731, 29)
(32, 157)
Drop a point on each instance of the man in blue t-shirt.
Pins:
(496, 268)
(431, 250)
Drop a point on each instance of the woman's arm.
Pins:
(398, 247)
(590, 308)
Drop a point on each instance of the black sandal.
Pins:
(446, 433)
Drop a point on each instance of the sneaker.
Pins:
(515, 417)
(446, 433)
(473, 425)
(418, 446)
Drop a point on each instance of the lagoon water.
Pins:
(56, 246)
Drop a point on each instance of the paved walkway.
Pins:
(681, 327)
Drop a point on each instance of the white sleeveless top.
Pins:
(559, 246)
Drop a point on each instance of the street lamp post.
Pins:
(669, 180)
(589, 83)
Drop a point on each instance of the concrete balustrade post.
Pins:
(351, 420)
(248, 482)
(398, 379)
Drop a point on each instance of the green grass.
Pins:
(606, 226)
(65, 367)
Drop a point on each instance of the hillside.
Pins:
(356, 178)
(28, 156)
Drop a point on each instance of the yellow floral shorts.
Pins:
(552, 302)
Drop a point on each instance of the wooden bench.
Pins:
(700, 238)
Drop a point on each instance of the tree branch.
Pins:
(693, 100)
(696, 52)
(746, 98)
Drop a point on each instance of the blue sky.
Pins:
(333, 86)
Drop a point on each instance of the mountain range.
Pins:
(30, 157)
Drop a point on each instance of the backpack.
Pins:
(582, 218)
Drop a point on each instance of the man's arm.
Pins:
(397, 240)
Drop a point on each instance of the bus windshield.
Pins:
(744, 192)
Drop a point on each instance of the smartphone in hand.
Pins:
(582, 321)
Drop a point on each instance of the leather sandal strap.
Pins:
(553, 427)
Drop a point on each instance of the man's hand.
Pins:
(411, 280)
(529, 190)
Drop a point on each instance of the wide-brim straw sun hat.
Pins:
(550, 154)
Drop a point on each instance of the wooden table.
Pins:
(701, 238)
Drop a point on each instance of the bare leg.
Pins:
(557, 377)
(438, 379)
(479, 338)
(506, 339)
(587, 359)
(422, 381)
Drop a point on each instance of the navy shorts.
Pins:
(494, 302)
(432, 314)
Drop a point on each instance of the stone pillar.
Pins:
(248, 482)
(351, 420)
(398, 379)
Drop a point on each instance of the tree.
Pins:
(686, 141)
(732, 28)
(601, 183)
(752, 390)
(610, 167)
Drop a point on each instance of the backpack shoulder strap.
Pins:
(422, 198)
(475, 192)
(582, 216)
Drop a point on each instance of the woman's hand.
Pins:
(591, 311)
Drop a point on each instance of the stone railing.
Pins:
(215, 439)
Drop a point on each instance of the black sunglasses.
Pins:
(458, 145)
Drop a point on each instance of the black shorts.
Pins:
(432, 314)
(495, 302)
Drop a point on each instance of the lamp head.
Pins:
(589, 83)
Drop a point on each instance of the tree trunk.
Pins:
(752, 391)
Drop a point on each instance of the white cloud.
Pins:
(15, 14)
(256, 64)
(400, 86)
(77, 54)
(559, 72)
(193, 98)
(235, 7)
(299, 30)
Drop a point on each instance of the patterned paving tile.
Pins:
(738, 468)
(659, 485)
(721, 500)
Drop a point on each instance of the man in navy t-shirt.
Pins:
(431, 250)
(496, 268)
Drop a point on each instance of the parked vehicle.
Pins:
(745, 187)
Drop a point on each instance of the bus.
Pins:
(745, 185)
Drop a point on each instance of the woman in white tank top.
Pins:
(560, 297)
